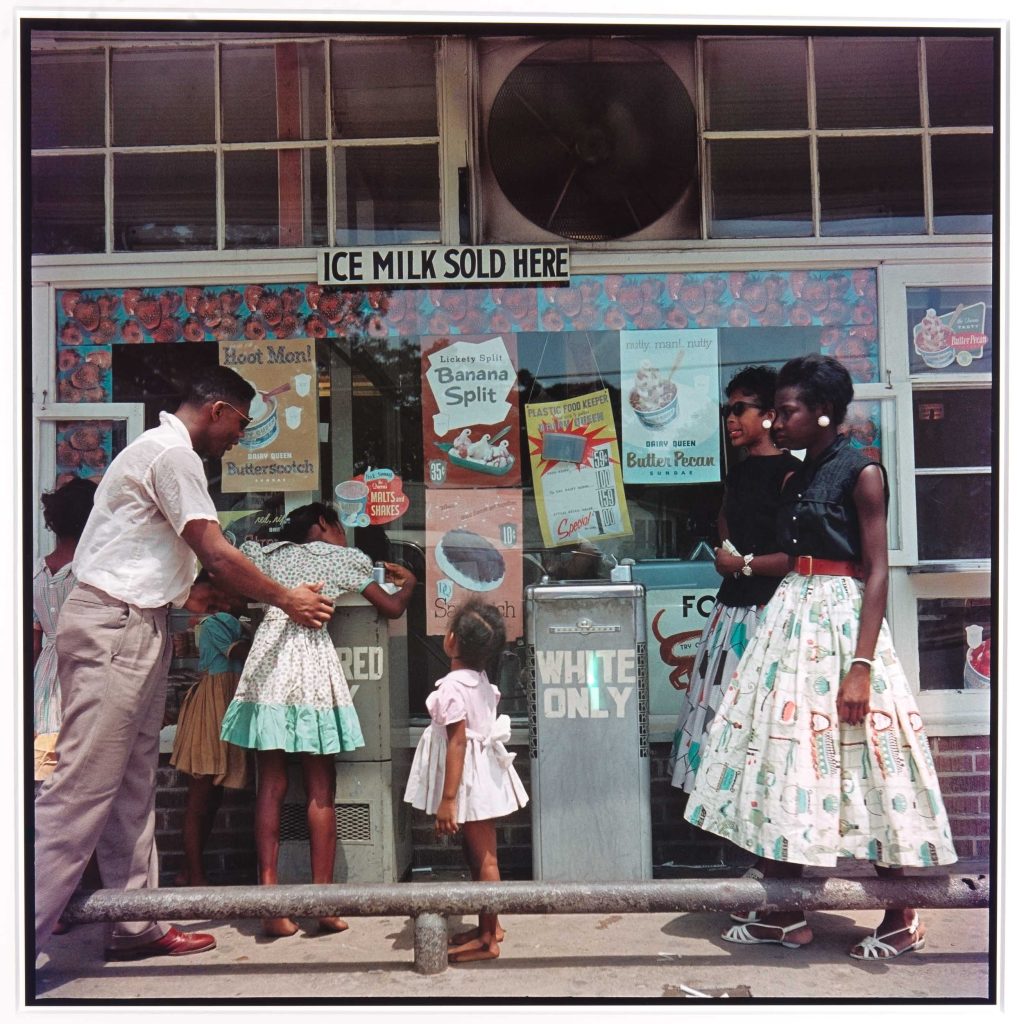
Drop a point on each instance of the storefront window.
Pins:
(272, 194)
(965, 171)
(955, 640)
(871, 186)
(273, 93)
(164, 201)
(656, 450)
(163, 97)
(866, 82)
(961, 76)
(68, 204)
(68, 97)
(756, 84)
(386, 194)
(760, 188)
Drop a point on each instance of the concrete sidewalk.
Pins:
(595, 956)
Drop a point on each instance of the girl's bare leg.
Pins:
(482, 853)
(461, 938)
(319, 785)
(267, 811)
(203, 799)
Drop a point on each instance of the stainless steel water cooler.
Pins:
(589, 732)
(372, 821)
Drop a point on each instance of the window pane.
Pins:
(68, 91)
(164, 201)
(866, 83)
(383, 89)
(952, 428)
(68, 204)
(163, 97)
(256, 215)
(86, 447)
(954, 516)
(950, 329)
(965, 170)
(760, 189)
(945, 662)
(386, 194)
(871, 186)
(755, 84)
(273, 93)
(962, 88)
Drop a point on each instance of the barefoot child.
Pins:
(461, 771)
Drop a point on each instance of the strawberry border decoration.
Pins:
(90, 321)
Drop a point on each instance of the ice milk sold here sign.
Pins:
(451, 265)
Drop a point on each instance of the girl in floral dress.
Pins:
(293, 697)
(818, 750)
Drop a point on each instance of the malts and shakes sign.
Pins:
(445, 265)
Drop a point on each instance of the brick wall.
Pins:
(678, 848)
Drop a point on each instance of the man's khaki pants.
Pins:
(112, 663)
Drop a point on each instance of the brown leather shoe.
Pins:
(173, 943)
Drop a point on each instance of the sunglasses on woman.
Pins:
(737, 409)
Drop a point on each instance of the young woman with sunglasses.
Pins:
(748, 522)
(818, 750)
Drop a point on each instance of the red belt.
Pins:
(806, 565)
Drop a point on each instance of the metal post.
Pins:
(430, 943)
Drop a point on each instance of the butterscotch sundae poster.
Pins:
(474, 549)
(279, 449)
(670, 426)
(577, 480)
(470, 412)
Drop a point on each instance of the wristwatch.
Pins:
(747, 565)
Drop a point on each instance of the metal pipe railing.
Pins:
(430, 903)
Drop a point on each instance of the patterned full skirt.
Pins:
(781, 777)
(292, 694)
(721, 646)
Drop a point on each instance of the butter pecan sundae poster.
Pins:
(470, 412)
(670, 424)
(474, 549)
(279, 449)
(577, 483)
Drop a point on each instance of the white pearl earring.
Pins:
(824, 420)
(767, 423)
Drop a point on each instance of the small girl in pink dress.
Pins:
(461, 771)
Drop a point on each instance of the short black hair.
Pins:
(820, 380)
(216, 384)
(66, 510)
(760, 381)
(298, 523)
(480, 632)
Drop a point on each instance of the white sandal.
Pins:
(874, 948)
(752, 917)
(740, 933)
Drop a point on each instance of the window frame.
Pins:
(814, 134)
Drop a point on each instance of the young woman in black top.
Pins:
(748, 519)
(818, 750)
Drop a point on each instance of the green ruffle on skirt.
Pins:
(297, 729)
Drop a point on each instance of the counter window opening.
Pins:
(177, 143)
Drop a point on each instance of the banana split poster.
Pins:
(470, 411)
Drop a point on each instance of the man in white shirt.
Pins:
(152, 515)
